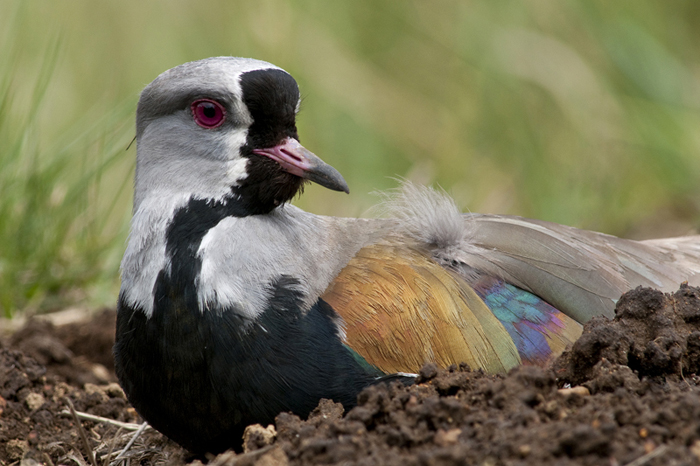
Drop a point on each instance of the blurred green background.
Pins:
(579, 112)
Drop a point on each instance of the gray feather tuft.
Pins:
(428, 215)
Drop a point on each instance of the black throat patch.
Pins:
(183, 238)
(271, 97)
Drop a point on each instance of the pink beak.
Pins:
(297, 160)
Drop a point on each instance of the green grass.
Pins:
(583, 112)
(54, 228)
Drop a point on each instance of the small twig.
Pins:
(82, 433)
(130, 426)
(649, 456)
(133, 439)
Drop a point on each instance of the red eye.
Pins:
(208, 113)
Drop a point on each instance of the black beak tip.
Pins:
(328, 177)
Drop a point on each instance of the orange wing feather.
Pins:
(401, 309)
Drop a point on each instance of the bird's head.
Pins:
(225, 128)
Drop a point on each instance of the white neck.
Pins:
(241, 257)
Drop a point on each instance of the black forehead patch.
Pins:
(271, 97)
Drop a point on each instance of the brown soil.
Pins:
(636, 400)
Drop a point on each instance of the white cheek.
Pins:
(235, 139)
(236, 166)
(236, 170)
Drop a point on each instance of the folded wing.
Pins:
(492, 291)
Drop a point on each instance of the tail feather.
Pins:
(683, 253)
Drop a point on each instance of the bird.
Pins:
(235, 305)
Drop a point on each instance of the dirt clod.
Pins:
(256, 437)
(652, 335)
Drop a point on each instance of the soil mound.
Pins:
(627, 391)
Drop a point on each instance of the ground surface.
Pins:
(636, 400)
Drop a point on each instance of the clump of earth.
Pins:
(627, 392)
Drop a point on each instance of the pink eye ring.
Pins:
(208, 113)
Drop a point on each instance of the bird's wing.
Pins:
(492, 291)
(682, 253)
(580, 272)
(401, 309)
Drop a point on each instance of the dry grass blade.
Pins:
(91, 417)
(107, 451)
(113, 444)
(73, 457)
(125, 447)
(47, 459)
(81, 431)
(133, 439)
(649, 456)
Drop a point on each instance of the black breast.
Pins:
(201, 377)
